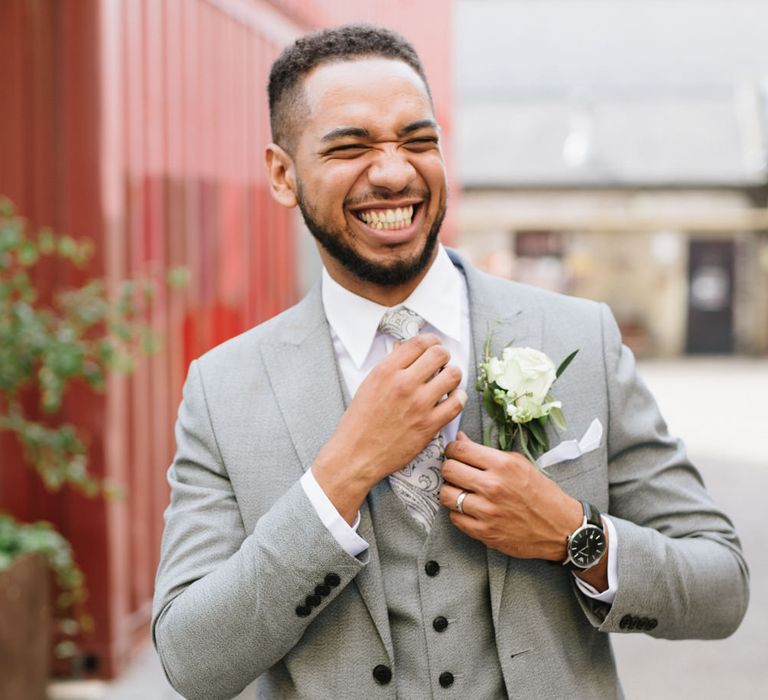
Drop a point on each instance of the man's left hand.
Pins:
(510, 505)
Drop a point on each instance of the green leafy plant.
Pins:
(48, 344)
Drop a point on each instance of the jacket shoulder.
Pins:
(290, 325)
(551, 304)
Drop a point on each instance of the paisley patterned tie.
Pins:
(418, 483)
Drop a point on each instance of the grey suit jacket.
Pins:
(243, 546)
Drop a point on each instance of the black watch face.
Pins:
(587, 546)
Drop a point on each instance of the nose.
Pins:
(391, 169)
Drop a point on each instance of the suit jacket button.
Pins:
(303, 611)
(439, 623)
(313, 600)
(382, 674)
(322, 590)
(642, 623)
(332, 580)
(432, 568)
(446, 679)
(625, 622)
(652, 623)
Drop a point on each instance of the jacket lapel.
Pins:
(496, 311)
(304, 377)
(306, 382)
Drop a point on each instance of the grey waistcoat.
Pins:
(465, 647)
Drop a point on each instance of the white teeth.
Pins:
(388, 219)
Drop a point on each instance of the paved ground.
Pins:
(710, 402)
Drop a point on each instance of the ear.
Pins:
(281, 174)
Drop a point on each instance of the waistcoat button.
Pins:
(382, 674)
(439, 623)
(446, 679)
(432, 568)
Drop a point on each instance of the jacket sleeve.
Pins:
(681, 570)
(229, 603)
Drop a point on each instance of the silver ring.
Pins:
(460, 502)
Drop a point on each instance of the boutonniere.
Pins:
(515, 389)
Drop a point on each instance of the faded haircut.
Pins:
(287, 106)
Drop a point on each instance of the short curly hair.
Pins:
(286, 102)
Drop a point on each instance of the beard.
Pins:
(390, 274)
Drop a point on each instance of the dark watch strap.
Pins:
(592, 514)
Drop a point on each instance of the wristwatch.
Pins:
(586, 544)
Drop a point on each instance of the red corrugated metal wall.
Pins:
(141, 124)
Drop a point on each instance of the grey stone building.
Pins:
(617, 150)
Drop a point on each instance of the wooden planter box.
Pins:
(25, 629)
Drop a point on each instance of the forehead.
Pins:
(378, 94)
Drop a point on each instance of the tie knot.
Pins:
(401, 323)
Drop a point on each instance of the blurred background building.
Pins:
(618, 151)
(614, 149)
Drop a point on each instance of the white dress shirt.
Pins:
(359, 347)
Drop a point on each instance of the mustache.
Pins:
(378, 196)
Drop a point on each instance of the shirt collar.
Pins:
(355, 319)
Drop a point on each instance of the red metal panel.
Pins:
(14, 79)
(15, 487)
(137, 227)
(141, 124)
(84, 522)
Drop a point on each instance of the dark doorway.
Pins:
(710, 296)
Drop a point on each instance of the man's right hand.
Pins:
(396, 411)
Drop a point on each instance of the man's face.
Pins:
(370, 178)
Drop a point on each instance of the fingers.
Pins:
(443, 383)
(422, 357)
(465, 450)
(449, 496)
(406, 353)
(423, 360)
(437, 383)
(445, 411)
(463, 476)
(428, 364)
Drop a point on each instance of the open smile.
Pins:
(387, 219)
(390, 224)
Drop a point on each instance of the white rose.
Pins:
(523, 371)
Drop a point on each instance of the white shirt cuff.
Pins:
(342, 532)
(608, 595)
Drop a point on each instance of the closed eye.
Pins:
(346, 151)
(422, 144)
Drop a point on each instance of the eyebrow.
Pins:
(415, 126)
(343, 131)
(357, 132)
